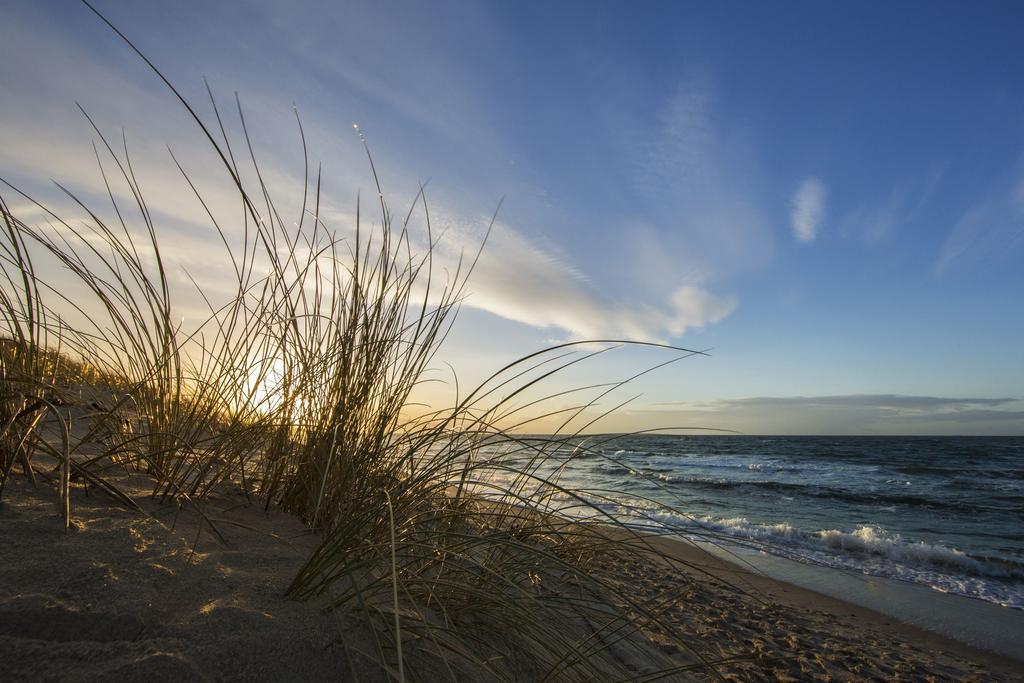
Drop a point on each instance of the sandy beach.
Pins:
(794, 634)
(128, 597)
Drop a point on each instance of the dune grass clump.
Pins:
(444, 528)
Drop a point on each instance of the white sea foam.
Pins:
(866, 549)
(873, 540)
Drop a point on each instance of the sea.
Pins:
(943, 513)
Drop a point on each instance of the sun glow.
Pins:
(265, 384)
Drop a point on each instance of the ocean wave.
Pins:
(872, 550)
(752, 466)
(873, 498)
(873, 540)
(868, 540)
(970, 472)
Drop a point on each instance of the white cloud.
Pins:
(696, 307)
(808, 209)
(517, 280)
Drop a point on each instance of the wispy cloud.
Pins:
(885, 401)
(683, 152)
(878, 221)
(517, 278)
(992, 228)
(808, 209)
(851, 414)
(695, 173)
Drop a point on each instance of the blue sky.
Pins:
(831, 196)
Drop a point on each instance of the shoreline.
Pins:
(974, 622)
(796, 593)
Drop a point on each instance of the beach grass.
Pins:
(435, 524)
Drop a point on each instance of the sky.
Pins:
(827, 196)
